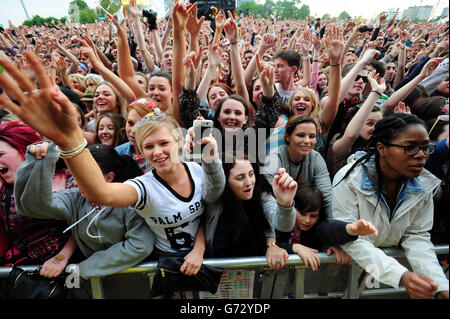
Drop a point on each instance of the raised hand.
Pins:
(180, 14)
(361, 228)
(267, 77)
(402, 108)
(377, 83)
(284, 188)
(369, 55)
(334, 40)
(231, 29)
(46, 110)
(306, 42)
(429, 67)
(134, 10)
(194, 24)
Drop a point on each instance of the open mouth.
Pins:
(248, 191)
(301, 109)
(4, 170)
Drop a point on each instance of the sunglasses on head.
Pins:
(364, 78)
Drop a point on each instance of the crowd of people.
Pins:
(325, 135)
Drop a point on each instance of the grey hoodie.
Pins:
(111, 238)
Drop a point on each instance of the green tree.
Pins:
(326, 16)
(252, 8)
(304, 12)
(268, 7)
(344, 16)
(88, 15)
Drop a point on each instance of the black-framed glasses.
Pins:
(412, 150)
(364, 78)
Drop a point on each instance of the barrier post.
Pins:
(352, 282)
(299, 282)
(97, 288)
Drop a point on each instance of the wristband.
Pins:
(235, 42)
(306, 57)
(335, 64)
(376, 92)
(271, 244)
(73, 152)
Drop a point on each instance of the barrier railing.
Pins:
(354, 287)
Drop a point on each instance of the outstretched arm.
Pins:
(51, 114)
(125, 66)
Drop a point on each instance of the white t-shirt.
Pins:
(285, 95)
(174, 219)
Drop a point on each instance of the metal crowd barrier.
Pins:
(271, 284)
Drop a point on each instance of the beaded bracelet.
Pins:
(73, 152)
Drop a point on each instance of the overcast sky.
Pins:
(12, 9)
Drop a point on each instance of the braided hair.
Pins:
(386, 130)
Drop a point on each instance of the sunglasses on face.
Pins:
(364, 78)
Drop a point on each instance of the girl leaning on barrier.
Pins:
(388, 186)
(182, 188)
(110, 238)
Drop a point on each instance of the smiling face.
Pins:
(306, 220)
(301, 103)
(106, 131)
(241, 180)
(395, 162)
(159, 90)
(301, 141)
(215, 95)
(358, 85)
(105, 99)
(232, 115)
(161, 149)
(10, 160)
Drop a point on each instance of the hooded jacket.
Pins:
(407, 226)
(111, 238)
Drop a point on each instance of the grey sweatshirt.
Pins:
(314, 171)
(125, 238)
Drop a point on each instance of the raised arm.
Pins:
(268, 41)
(180, 15)
(135, 15)
(107, 74)
(232, 34)
(343, 145)
(404, 91)
(125, 66)
(51, 114)
(306, 43)
(214, 58)
(330, 103)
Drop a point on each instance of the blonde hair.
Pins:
(121, 102)
(95, 78)
(81, 80)
(315, 104)
(150, 126)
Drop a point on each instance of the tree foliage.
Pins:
(39, 21)
(282, 9)
(344, 16)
